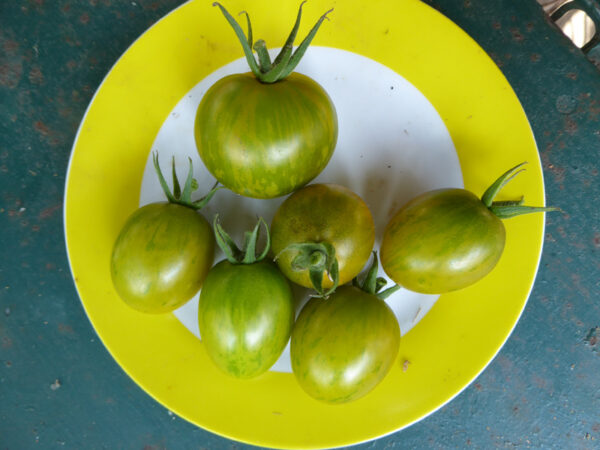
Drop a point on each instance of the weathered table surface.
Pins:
(542, 390)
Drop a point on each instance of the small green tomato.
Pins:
(246, 308)
(164, 250)
(448, 239)
(344, 345)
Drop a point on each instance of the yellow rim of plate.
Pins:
(446, 350)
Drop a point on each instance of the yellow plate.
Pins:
(448, 348)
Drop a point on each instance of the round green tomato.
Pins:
(324, 213)
(265, 140)
(441, 241)
(342, 347)
(245, 315)
(161, 257)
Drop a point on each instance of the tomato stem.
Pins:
(507, 212)
(246, 42)
(247, 254)
(263, 56)
(318, 258)
(509, 208)
(249, 25)
(299, 53)
(488, 196)
(389, 291)
(287, 59)
(509, 202)
(183, 198)
(372, 284)
(176, 188)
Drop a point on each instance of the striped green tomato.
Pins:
(448, 239)
(442, 241)
(245, 315)
(265, 140)
(328, 214)
(343, 346)
(161, 257)
(164, 250)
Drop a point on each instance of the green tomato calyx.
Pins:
(372, 284)
(319, 259)
(177, 196)
(509, 208)
(247, 254)
(287, 59)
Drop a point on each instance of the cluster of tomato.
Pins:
(267, 134)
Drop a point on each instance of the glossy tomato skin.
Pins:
(161, 257)
(245, 315)
(442, 241)
(265, 140)
(342, 347)
(324, 213)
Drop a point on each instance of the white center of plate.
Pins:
(392, 145)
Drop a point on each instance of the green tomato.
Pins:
(442, 241)
(265, 140)
(323, 213)
(245, 315)
(448, 239)
(161, 257)
(343, 346)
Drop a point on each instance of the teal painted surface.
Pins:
(59, 388)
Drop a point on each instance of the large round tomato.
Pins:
(161, 257)
(326, 213)
(342, 347)
(265, 140)
(441, 241)
(245, 316)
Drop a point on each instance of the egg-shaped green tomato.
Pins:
(448, 239)
(163, 251)
(322, 234)
(246, 309)
(266, 133)
(343, 346)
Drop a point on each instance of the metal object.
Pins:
(586, 30)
